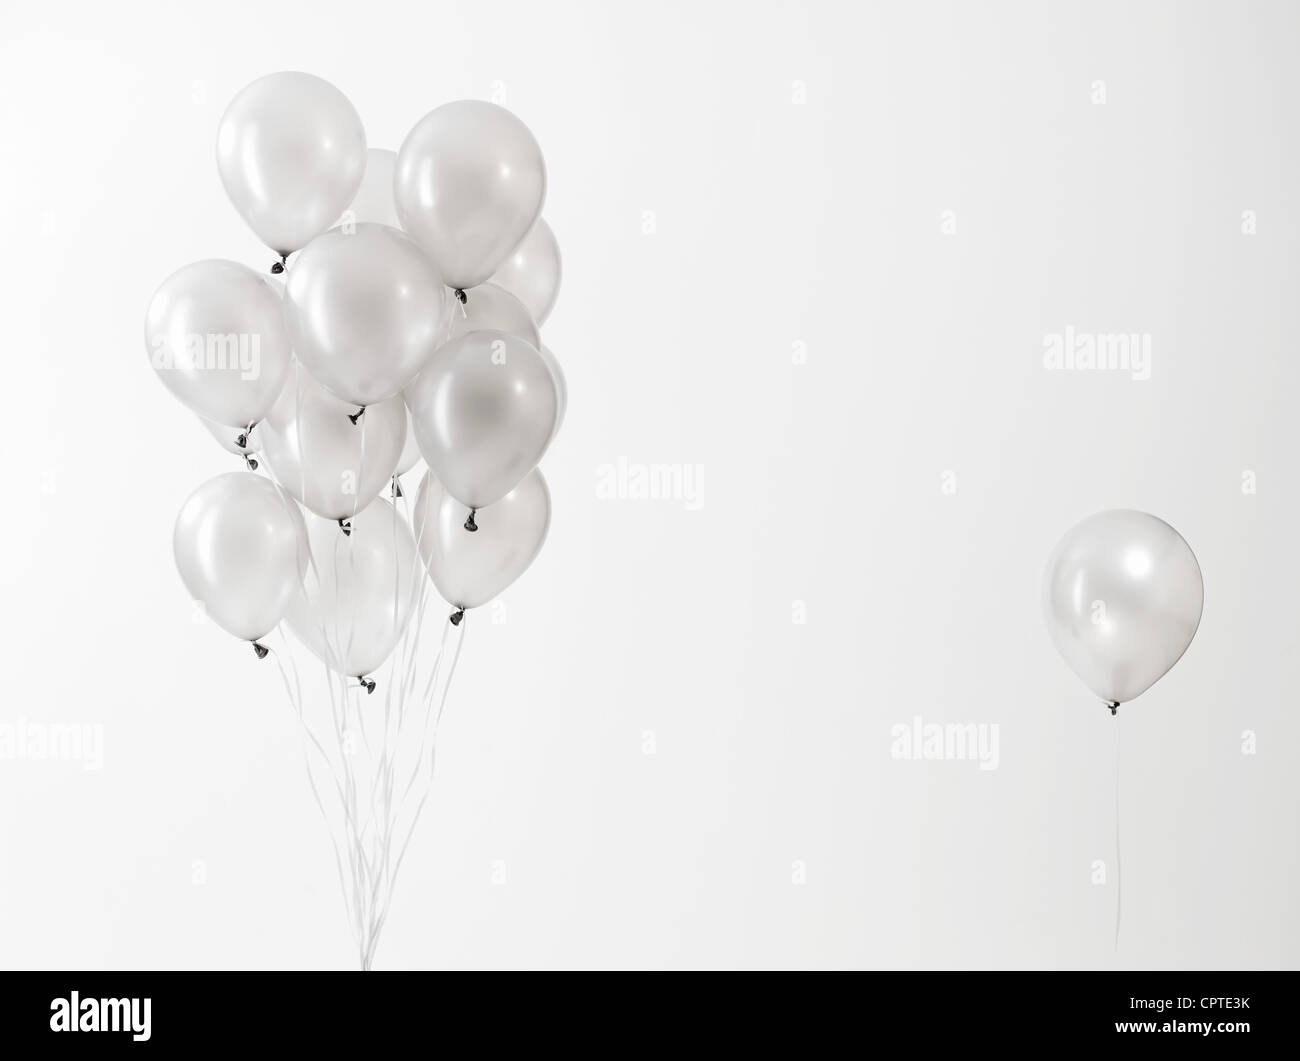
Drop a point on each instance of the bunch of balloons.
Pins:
(399, 322)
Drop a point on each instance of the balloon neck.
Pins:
(251, 462)
(260, 650)
(346, 528)
(457, 616)
(1114, 706)
(397, 487)
(470, 525)
(278, 267)
(354, 417)
(368, 684)
(461, 297)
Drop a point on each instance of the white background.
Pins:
(775, 223)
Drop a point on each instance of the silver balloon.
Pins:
(331, 465)
(241, 550)
(356, 600)
(1122, 596)
(366, 310)
(483, 411)
(492, 308)
(561, 386)
(215, 335)
(291, 152)
(228, 438)
(532, 272)
(374, 199)
(470, 569)
(469, 184)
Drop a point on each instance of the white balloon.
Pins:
(483, 412)
(291, 152)
(561, 387)
(487, 308)
(1122, 597)
(241, 550)
(470, 183)
(331, 465)
(215, 335)
(374, 199)
(492, 308)
(357, 598)
(366, 310)
(470, 569)
(532, 271)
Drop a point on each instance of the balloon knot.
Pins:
(345, 527)
(460, 296)
(457, 616)
(278, 267)
(354, 417)
(368, 684)
(397, 488)
(470, 525)
(261, 650)
(241, 440)
(1114, 706)
(251, 462)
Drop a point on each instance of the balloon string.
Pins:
(387, 875)
(382, 891)
(295, 701)
(1119, 879)
(377, 813)
(297, 426)
(402, 673)
(433, 760)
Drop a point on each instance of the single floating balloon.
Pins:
(291, 152)
(483, 411)
(469, 570)
(532, 271)
(1122, 597)
(241, 549)
(366, 310)
(331, 465)
(469, 185)
(357, 598)
(215, 335)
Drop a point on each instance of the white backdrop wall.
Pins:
(813, 253)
